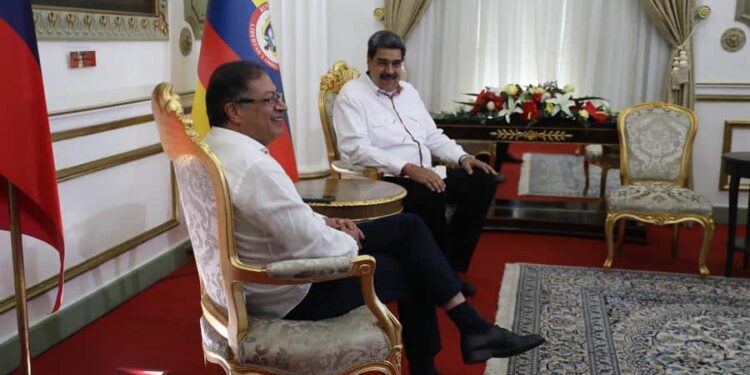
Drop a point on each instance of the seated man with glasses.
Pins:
(272, 223)
(381, 122)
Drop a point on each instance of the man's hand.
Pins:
(425, 176)
(347, 226)
(468, 163)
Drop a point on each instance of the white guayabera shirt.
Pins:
(271, 222)
(386, 131)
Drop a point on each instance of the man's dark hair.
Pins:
(227, 84)
(385, 39)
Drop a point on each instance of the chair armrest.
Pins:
(307, 269)
(350, 169)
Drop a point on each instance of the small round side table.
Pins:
(738, 166)
(356, 199)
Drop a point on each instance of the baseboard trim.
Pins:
(721, 215)
(59, 326)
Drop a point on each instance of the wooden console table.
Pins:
(581, 218)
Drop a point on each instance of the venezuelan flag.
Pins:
(26, 159)
(240, 30)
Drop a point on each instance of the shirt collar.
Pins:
(235, 137)
(379, 91)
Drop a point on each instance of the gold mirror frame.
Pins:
(742, 13)
(729, 127)
(76, 23)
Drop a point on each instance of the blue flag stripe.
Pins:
(17, 14)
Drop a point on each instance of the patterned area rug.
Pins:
(624, 322)
(561, 175)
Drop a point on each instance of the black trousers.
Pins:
(410, 269)
(471, 193)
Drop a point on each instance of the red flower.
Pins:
(530, 111)
(594, 113)
(537, 97)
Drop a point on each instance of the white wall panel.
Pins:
(85, 149)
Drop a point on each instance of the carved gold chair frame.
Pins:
(180, 142)
(330, 85)
(657, 218)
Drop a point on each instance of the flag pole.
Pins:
(19, 279)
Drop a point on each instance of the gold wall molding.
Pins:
(79, 170)
(70, 23)
(722, 98)
(116, 103)
(736, 84)
(89, 130)
(729, 127)
(95, 261)
(91, 263)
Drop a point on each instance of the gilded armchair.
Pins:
(656, 141)
(330, 85)
(366, 339)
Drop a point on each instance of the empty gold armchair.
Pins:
(656, 141)
(365, 339)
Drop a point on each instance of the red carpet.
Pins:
(158, 329)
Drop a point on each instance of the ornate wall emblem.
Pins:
(186, 41)
(733, 39)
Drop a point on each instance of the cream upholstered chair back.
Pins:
(366, 339)
(656, 142)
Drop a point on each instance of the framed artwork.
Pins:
(101, 19)
(734, 142)
(742, 13)
(195, 15)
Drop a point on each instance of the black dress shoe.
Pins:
(468, 289)
(512, 159)
(497, 342)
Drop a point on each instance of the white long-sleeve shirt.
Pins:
(271, 221)
(377, 129)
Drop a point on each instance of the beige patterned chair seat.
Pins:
(658, 198)
(317, 347)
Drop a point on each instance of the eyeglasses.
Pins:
(268, 100)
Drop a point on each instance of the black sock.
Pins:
(422, 366)
(468, 320)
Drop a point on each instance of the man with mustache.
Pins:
(272, 223)
(381, 122)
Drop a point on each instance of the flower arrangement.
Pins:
(534, 103)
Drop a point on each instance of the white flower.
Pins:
(562, 103)
(509, 109)
(491, 106)
(546, 95)
(568, 88)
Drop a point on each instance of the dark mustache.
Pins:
(388, 76)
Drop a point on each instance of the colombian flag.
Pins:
(240, 30)
(25, 145)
